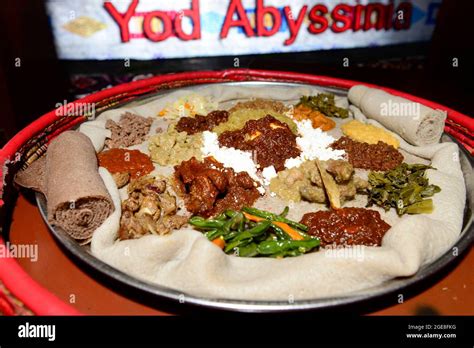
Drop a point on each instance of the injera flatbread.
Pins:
(414, 122)
(77, 199)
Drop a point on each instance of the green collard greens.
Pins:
(405, 188)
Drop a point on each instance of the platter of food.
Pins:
(259, 196)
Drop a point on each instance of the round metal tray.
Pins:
(392, 286)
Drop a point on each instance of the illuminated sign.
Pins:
(145, 29)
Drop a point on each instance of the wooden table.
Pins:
(451, 295)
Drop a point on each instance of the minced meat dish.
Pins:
(380, 156)
(199, 123)
(130, 130)
(259, 103)
(209, 189)
(270, 140)
(346, 226)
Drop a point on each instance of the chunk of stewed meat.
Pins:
(209, 189)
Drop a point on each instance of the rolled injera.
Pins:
(414, 122)
(77, 199)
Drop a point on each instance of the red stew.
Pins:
(122, 160)
(347, 226)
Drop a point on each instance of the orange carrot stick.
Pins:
(285, 227)
(290, 231)
(220, 242)
(253, 217)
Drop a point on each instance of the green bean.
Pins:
(233, 222)
(213, 234)
(280, 233)
(237, 243)
(231, 235)
(262, 237)
(274, 217)
(241, 226)
(237, 220)
(221, 217)
(249, 250)
(202, 223)
(230, 246)
(275, 247)
(255, 231)
(259, 228)
(247, 235)
(230, 213)
(285, 211)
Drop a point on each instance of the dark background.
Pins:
(423, 69)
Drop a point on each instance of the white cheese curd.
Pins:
(293, 162)
(313, 143)
(268, 173)
(238, 160)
